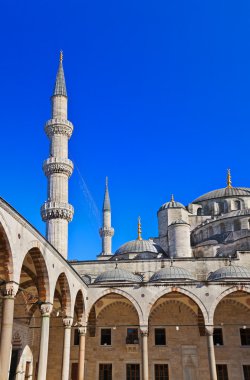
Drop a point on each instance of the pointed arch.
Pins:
(6, 258)
(79, 306)
(63, 294)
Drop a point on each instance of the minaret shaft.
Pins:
(56, 211)
(106, 232)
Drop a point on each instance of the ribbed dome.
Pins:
(230, 272)
(223, 193)
(117, 275)
(137, 246)
(171, 273)
(171, 204)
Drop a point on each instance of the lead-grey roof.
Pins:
(171, 204)
(179, 221)
(60, 85)
(230, 272)
(117, 275)
(171, 273)
(223, 193)
(137, 246)
(106, 202)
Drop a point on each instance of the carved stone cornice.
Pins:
(9, 290)
(54, 165)
(106, 231)
(56, 210)
(58, 127)
(46, 309)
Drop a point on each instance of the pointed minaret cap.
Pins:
(106, 203)
(139, 229)
(60, 85)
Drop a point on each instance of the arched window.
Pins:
(201, 235)
(210, 231)
(237, 225)
(237, 205)
(221, 208)
(199, 211)
(222, 228)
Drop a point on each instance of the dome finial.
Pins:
(61, 56)
(172, 198)
(229, 179)
(139, 229)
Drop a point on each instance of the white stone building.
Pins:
(175, 307)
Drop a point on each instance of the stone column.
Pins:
(81, 355)
(144, 336)
(10, 292)
(211, 355)
(67, 323)
(46, 310)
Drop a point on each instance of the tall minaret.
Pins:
(56, 211)
(106, 232)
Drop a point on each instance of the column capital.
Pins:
(82, 330)
(10, 289)
(46, 309)
(209, 330)
(144, 330)
(67, 322)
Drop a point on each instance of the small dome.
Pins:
(171, 273)
(224, 193)
(117, 275)
(138, 246)
(230, 272)
(179, 221)
(171, 204)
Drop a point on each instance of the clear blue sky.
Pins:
(159, 94)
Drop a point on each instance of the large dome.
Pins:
(231, 272)
(223, 193)
(171, 273)
(139, 246)
(117, 275)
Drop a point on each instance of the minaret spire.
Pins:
(56, 211)
(106, 232)
(139, 231)
(229, 179)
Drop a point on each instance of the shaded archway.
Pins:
(177, 336)
(6, 260)
(232, 332)
(113, 327)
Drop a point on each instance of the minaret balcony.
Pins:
(57, 210)
(106, 231)
(59, 127)
(58, 165)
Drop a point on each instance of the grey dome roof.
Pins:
(223, 193)
(229, 272)
(137, 246)
(171, 273)
(171, 204)
(117, 275)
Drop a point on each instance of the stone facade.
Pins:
(173, 307)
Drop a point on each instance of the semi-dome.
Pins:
(179, 221)
(139, 246)
(231, 272)
(171, 273)
(224, 193)
(117, 275)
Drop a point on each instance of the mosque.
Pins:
(173, 307)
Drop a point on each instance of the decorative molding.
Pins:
(82, 330)
(53, 165)
(106, 231)
(56, 210)
(58, 127)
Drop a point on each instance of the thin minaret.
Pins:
(56, 211)
(106, 232)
